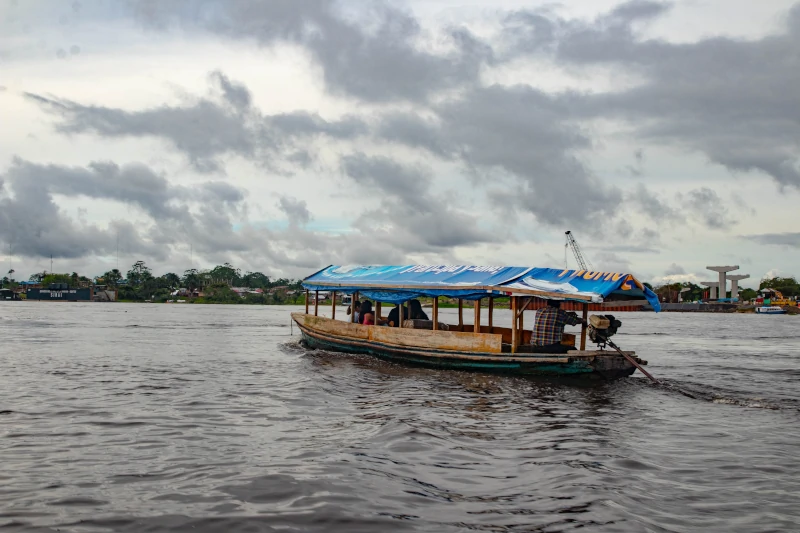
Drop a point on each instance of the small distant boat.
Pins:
(770, 310)
(474, 346)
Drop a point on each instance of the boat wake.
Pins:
(718, 395)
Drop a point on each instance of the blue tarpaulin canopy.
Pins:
(398, 284)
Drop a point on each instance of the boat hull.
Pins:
(770, 311)
(577, 364)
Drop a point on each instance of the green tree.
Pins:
(747, 294)
(221, 293)
(139, 274)
(126, 292)
(57, 278)
(192, 279)
(225, 274)
(787, 286)
(112, 277)
(170, 280)
(255, 280)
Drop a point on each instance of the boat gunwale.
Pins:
(578, 355)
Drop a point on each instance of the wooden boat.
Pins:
(770, 310)
(470, 346)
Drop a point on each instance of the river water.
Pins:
(146, 418)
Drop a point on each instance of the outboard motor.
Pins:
(601, 327)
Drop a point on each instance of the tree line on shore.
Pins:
(215, 285)
(788, 286)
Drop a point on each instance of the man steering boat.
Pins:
(549, 328)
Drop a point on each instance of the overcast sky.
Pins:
(286, 135)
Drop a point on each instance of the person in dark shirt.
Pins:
(415, 308)
(393, 319)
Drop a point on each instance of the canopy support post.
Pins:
(377, 313)
(400, 314)
(521, 326)
(460, 314)
(333, 305)
(435, 313)
(306, 301)
(316, 303)
(477, 321)
(514, 324)
(491, 312)
(583, 326)
(353, 300)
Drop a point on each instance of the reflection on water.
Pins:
(213, 418)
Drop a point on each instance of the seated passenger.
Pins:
(549, 328)
(366, 316)
(393, 319)
(415, 308)
(357, 306)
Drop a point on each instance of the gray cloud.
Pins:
(705, 205)
(235, 93)
(517, 133)
(302, 124)
(611, 262)
(790, 240)
(736, 101)
(636, 170)
(419, 220)
(134, 184)
(655, 208)
(637, 10)
(33, 224)
(212, 191)
(527, 134)
(407, 184)
(206, 130)
(644, 248)
(295, 210)
(203, 130)
(674, 269)
(375, 57)
(414, 131)
(717, 96)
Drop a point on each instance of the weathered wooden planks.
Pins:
(428, 339)
(335, 327)
(438, 340)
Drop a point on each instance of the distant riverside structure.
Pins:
(735, 279)
(719, 289)
(712, 288)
